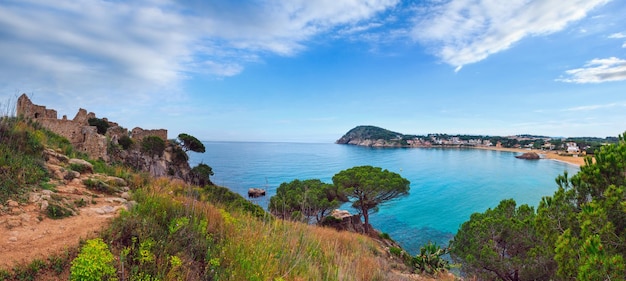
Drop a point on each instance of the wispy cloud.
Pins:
(147, 47)
(461, 32)
(597, 71)
(618, 35)
(595, 107)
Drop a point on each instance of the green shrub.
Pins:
(384, 235)
(4, 274)
(100, 124)
(153, 146)
(330, 220)
(125, 142)
(80, 203)
(157, 228)
(232, 201)
(94, 262)
(55, 211)
(79, 168)
(395, 251)
(98, 185)
(58, 262)
(430, 260)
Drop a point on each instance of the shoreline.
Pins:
(550, 155)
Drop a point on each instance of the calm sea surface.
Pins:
(447, 185)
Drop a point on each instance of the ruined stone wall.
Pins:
(116, 132)
(138, 134)
(94, 144)
(82, 117)
(27, 109)
(83, 137)
(65, 128)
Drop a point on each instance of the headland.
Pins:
(569, 150)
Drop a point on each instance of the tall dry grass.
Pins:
(242, 246)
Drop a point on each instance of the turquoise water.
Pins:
(447, 185)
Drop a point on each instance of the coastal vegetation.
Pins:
(579, 233)
(180, 231)
(199, 231)
(189, 142)
(369, 187)
(302, 200)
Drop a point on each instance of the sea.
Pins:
(447, 184)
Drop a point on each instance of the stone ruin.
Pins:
(81, 135)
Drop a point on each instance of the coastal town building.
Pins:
(572, 147)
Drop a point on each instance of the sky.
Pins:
(309, 71)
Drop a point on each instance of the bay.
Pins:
(447, 184)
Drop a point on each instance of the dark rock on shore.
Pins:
(528, 156)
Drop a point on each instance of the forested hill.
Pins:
(372, 136)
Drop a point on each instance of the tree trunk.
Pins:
(366, 219)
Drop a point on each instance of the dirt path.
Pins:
(26, 233)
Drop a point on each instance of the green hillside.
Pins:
(178, 231)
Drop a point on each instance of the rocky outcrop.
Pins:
(256, 192)
(528, 156)
(343, 220)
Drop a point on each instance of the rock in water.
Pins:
(528, 156)
(256, 192)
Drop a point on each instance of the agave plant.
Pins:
(429, 259)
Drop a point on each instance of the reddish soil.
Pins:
(26, 233)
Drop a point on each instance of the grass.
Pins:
(183, 232)
(215, 244)
(21, 163)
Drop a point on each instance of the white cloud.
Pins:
(597, 71)
(595, 107)
(618, 35)
(223, 69)
(467, 31)
(119, 49)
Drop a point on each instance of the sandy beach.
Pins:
(552, 155)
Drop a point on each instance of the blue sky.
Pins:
(308, 71)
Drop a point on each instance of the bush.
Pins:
(384, 235)
(125, 142)
(153, 146)
(100, 124)
(55, 211)
(201, 174)
(98, 185)
(395, 251)
(429, 259)
(79, 168)
(94, 262)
